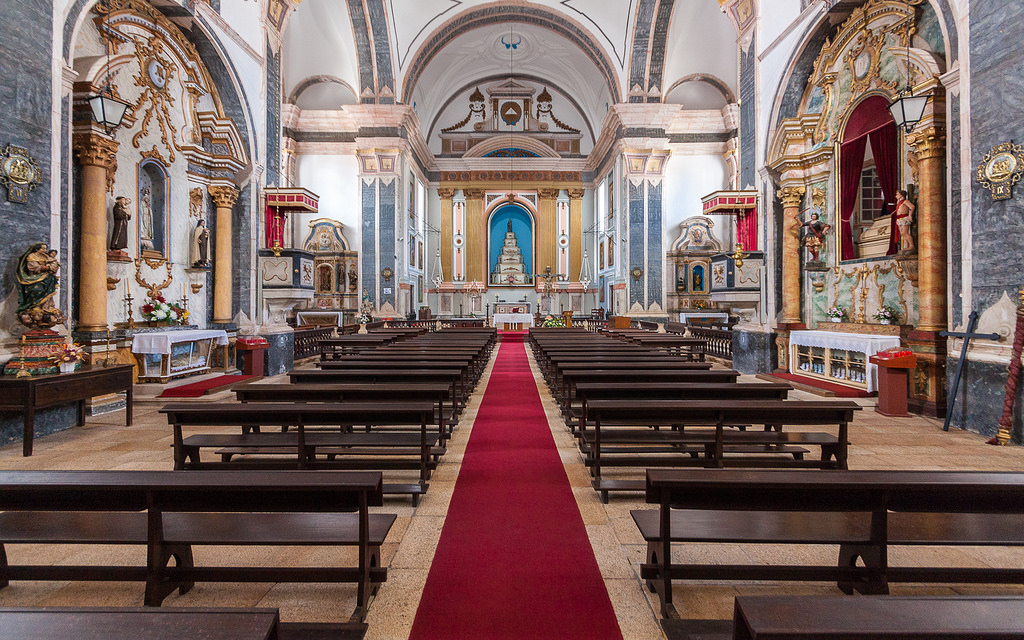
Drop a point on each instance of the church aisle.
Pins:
(514, 559)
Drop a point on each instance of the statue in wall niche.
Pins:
(37, 285)
(201, 245)
(814, 235)
(904, 218)
(122, 214)
(353, 278)
(146, 219)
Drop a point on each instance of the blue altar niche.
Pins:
(522, 226)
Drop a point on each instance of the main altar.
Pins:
(510, 268)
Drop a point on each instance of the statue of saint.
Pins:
(904, 218)
(37, 285)
(122, 214)
(146, 219)
(510, 225)
(201, 245)
(814, 237)
(353, 278)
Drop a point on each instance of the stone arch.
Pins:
(708, 79)
(313, 81)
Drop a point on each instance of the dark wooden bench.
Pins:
(564, 392)
(302, 447)
(134, 623)
(864, 512)
(619, 433)
(906, 618)
(588, 391)
(383, 376)
(169, 512)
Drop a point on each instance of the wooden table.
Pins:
(27, 395)
(136, 623)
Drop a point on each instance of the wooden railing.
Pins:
(429, 325)
(590, 324)
(719, 340)
(307, 340)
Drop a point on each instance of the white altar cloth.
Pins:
(160, 342)
(866, 343)
(313, 316)
(521, 318)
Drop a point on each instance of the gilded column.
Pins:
(792, 198)
(445, 240)
(224, 197)
(546, 237)
(575, 233)
(98, 157)
(930, 146)
(475, 235)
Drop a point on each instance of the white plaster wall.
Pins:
(774, 20)
(335, 178)
(246, 19)
(687, 180)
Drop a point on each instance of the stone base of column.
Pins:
(927, 392)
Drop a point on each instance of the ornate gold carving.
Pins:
(445, 193)
(818, 198)
(94, 150)
(112, 283)
(155, 155)
(155, 73)
(791, 197)
(224, 196)
(473, 194)
(19, 173)
(859, 289)
(928, 143)
(195, 202)
(576, 194)
(153, 290)
(547, 194)
(1000, 169)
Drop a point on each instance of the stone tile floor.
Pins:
(105, 443)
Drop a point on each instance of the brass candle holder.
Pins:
(23, 372)
(129, 321)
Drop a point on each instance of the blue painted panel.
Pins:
(655, 280)
(369, 239)
(522, 226)
(636, 241)
(386, 246)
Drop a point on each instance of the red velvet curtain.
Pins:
(851, 161)
(746, 229)
(883, 146)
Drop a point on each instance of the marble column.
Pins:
(575, 233)
(224, 197)
(476, 236)
(546, 234)
(792, 197)
(98, 157)
(445, 240)
(930, 147)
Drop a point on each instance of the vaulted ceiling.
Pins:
(431, 53)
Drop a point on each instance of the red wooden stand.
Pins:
(252, 356)
(892, 383)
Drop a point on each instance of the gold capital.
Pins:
(928, 143)
(547, 194)
(224, 196)
(576, 194)
(473, 194)
(791, 197)
(95, 150)
(446, 193)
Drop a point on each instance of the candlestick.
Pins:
(23, 372)
(106, 360)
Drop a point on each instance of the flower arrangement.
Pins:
(553, 322)
(159, 310)
(700, 304)
(70, 353)
(836, 312)
(887, 315)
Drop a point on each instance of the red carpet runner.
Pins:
(514, 560)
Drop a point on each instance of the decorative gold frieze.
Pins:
(1000, 169)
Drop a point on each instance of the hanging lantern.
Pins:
(908, 109)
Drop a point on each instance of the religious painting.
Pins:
(412, 252)
(600, 290)
(153, 205)
(325, 278)
(419, 289)
(419, 254)
(611, 199)
(600, 256)
(412, 197)
(510, 247)
(611, 251)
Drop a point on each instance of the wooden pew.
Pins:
(439, 393)
(382, 376)
(133, 623)
(565, 391)
(865, 512)
(626, 390)
(904, 618)
(169, 512)
(300, 447)
(624, 427)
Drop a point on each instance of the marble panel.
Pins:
(979, 399)
(636, 241)
(369, 238)
(387, 247)
(655, 251)
(273, 116)
(381, 48)
(360, 32)
(753, 352)
(748, 114)
(280, 356)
